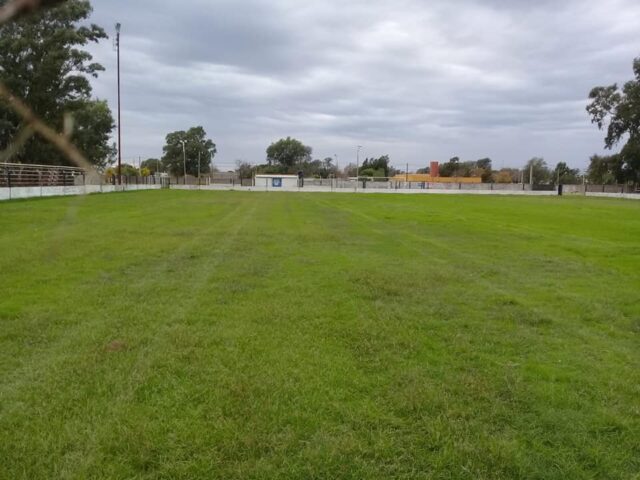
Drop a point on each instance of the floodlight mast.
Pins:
(118, 26)
(184, 159)
(357, 165)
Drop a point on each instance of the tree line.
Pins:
(42, 61)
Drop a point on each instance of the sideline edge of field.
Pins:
(17, 193)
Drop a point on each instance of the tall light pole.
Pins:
(184, 160)
(119, 131)
(357, 165)
(531, 175)
(211, 167)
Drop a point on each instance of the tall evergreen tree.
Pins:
(42, 62)
(617, 110)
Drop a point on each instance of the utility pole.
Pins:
(119, 130)
(211, 166)
(198, 168)
(184, 161)
(358, 165)
(406, 179)
(531, 174)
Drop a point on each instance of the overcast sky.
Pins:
(418, 80)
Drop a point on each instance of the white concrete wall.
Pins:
(368, 190)
(35, 192)
(628, 196)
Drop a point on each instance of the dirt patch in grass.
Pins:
(116, 346)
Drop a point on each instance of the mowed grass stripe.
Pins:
(81, 348)
(303, 336)
(110, 289)
(464, 266)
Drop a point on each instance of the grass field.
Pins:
(181, 335)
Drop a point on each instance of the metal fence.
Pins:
(135, 180)
(21, 175)
(14, 175)
(390, 184)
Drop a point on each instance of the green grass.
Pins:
(185, 335)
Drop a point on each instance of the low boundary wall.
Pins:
(628, 196)
(15, 193)
(368, 190)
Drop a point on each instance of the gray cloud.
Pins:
(417, 80)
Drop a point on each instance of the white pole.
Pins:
(357, 165)
(184, 161)
(531, 174)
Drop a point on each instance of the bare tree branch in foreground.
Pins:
(16, 8)
(10, 11)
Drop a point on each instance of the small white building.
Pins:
(274, 181)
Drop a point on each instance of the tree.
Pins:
(455, 168)
(509, 175)
(371, 172)
(541, 173)
(630, 155)
(484, 164)
(485, 170)
(244, 169)
(375, 167)
(129, 170)
(605, 170)
(311, 168)
(349, 170)
(504, 176)
(42, 62)
(151, 164)
(288, 153)
(328, 168)
(94, 124)
(565, 175)
(448, 169)
(618, 110)
(198, 148)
